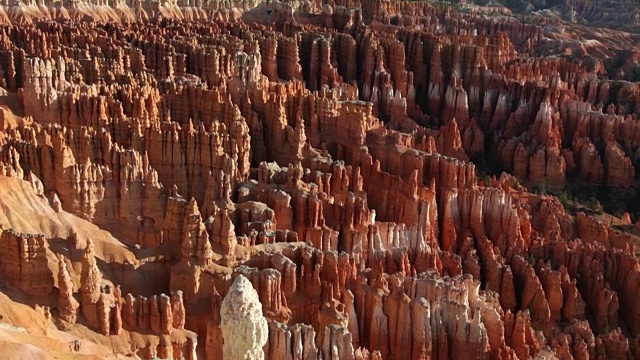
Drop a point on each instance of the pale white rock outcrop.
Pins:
(244, 328)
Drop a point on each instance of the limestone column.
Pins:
(244, 328)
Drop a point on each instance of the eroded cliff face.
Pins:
(307, 180)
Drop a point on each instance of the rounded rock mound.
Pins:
(244, 327)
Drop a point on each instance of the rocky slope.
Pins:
(361, 179)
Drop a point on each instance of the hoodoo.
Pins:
(319, 179)
(244, 328)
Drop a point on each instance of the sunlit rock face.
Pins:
(244, 328)
(353, 179)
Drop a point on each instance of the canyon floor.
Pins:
(341, 179)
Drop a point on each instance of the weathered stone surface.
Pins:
(244, 328)
(333, 171)
(67, 304)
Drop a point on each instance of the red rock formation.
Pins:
(90, 288)
(24, 264)
(618, 167)
(330, 154)
(67, 304)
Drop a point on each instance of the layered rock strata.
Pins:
(304, 180)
